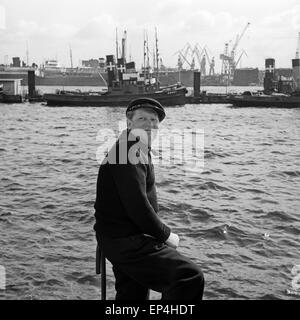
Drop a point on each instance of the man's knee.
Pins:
(201, 280)
(196, 286)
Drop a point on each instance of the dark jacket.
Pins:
(126, 201)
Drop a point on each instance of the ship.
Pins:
(52, 74)
(279, 91)
(125, 83)
(259, 99)
(186, 77)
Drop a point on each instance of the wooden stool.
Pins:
(101, 269)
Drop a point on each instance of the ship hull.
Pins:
(107, 100)
(60, 81)
(266, 101)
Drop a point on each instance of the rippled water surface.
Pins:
(238, 219)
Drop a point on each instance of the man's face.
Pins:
(147, 120)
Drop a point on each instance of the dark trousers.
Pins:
(141, 263)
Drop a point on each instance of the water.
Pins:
(238, 219)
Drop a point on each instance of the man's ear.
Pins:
(129, 123)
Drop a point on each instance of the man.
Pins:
(141, 248)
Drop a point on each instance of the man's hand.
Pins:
(173, 240)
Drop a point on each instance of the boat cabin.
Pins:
(124, 79)
(11, 86)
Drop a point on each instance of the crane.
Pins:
(240, 57)
(199, 55)
(228, 61)
(185, 59)
(202, 57)
(183, 53)
(212, 67)
(210, 62)
(238, 40)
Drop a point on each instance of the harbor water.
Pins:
(238, 218)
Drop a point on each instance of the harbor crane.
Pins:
(188, 55)
(201, 59)
(240, 57)
(228, 60)
(210, 62)
(183, 56)
(212, 67)
(181, 59)
(202, 62)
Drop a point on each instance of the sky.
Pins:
(49, 28)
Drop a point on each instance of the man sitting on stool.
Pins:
(140, 247)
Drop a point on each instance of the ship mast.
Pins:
(144, 55)
(148, 63)
(124, 40)
(71, 58)
(153, 55)
(27, 54)
(298, 47)
(117, 44)
(156, 45)
(117, 53)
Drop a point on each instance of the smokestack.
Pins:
(296, 73)
(124, 49)
(197, 76)
(31, 83)
(110, 67)
(269, 75)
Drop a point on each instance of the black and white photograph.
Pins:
(149, 151)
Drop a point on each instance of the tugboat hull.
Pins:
(266, 101)
(106, 100)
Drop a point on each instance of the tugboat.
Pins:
(124, 84)
(278, 93)
(259, 99)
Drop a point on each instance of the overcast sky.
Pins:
(89, 26)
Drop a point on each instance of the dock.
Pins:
(202, 97)
(208, 98)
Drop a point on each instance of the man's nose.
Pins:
(148, 124)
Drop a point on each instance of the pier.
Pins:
(202, 97)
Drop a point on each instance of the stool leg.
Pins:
(101, 269)
(98, 258)
(103, 277)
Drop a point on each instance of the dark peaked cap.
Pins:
(147, 103)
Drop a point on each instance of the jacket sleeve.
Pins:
(130, 181)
